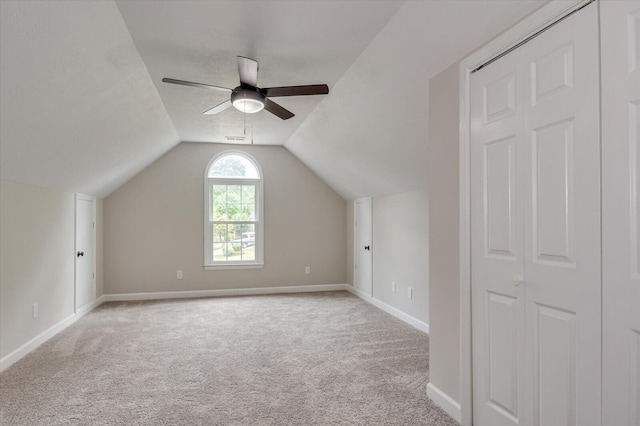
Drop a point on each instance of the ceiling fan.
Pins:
(249, 98)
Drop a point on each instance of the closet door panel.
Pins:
(497, 245)
(562, 221)
(552, 74)
(499, 167)
(552, 203)
(620, 29)
(555, 339)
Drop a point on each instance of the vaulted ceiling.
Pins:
(83, 108)
(295, 43)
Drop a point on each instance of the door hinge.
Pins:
(94, 275)
(94, 225)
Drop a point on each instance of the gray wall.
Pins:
(401, 252)
(154, 226)
(37, 260)
(442, 165)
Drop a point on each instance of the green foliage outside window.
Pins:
(228, 166)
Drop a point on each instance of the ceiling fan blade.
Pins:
(311, 89)
(218, 108)
(192, 84)
(278, 110)
(248, 70)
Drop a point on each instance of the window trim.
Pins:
(259, 223)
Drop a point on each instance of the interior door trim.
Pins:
(521, 32)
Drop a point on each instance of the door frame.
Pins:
(355, 248)
(75, 248)
(546, 15)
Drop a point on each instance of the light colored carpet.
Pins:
(301, 359)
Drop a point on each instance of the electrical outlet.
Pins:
(179, 274)
(410, 292)
(393, 286)
(307, 270)
(35, 310)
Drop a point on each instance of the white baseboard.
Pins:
(84, 310)
(360, 293)
(444, 401)
(10, 359)
(420, 325)
(225, 292)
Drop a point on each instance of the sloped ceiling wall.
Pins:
(369, 137)
(78, 110)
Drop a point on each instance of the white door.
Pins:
(562, 267)
(620, 28)
(362, 246)
(535, 205)
(85, 250)
(497, 243)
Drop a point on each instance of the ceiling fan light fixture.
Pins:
(248, 101)
(248, 97)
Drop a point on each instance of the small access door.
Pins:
(362, 251)
(85, 250)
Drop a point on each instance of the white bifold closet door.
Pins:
(535, 207)
(620, 29)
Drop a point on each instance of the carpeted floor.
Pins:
(301, 359)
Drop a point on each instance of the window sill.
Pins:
(234, 266)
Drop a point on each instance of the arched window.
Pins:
(233, 212)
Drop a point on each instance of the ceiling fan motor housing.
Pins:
(248, 100)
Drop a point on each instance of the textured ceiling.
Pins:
(78, 111)
(83, 109)
(295, 43)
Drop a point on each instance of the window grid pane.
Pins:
(234, 241)
(233, 223)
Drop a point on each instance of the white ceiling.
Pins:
(83, 108)
(295, 43)
(78, 111)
